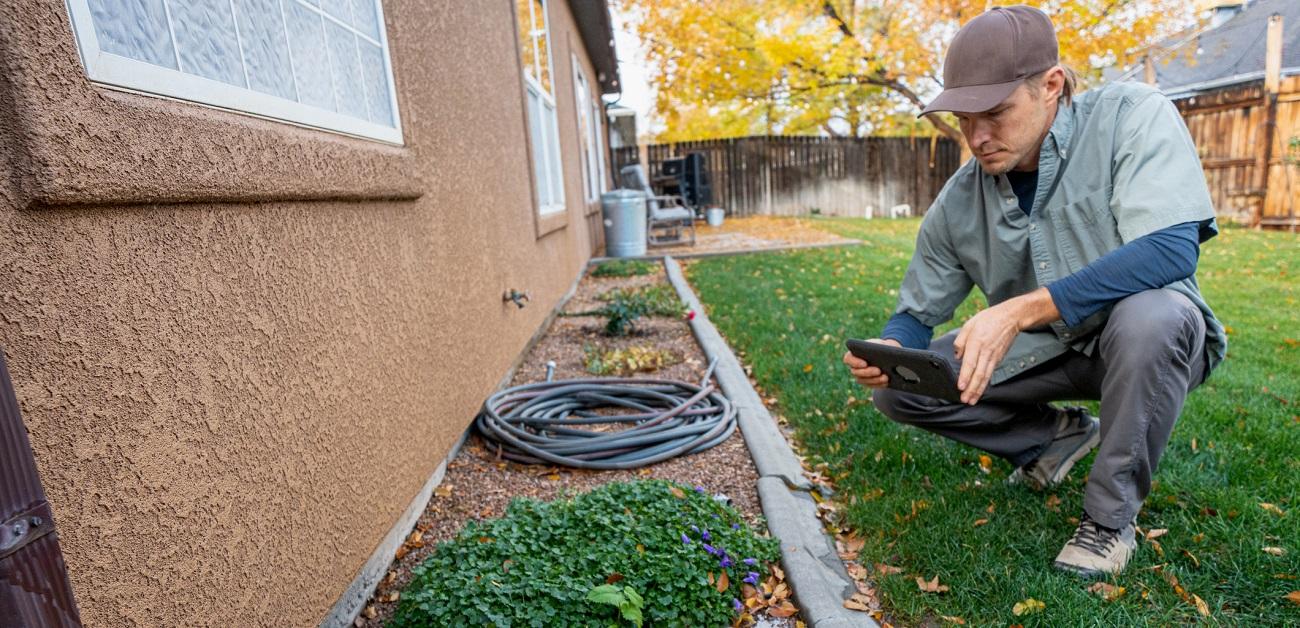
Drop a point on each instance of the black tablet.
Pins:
(910, 370)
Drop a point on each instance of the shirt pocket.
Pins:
(1083, 230)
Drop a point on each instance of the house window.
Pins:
(535, 52)
(321, 63)
(593, 163)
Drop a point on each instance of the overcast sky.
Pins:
(633, 75)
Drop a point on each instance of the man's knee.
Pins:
(1153, 319)
(886, 401)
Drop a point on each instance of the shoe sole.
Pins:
(1084, 448)
(1089, 574)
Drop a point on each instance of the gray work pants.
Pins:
(1150, 355)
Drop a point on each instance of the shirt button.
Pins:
(1032, 359)
(1022, 364)
(1065, 335)
(1033, 227)
(1042, 265)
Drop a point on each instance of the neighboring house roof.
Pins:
(1230, 54)
(597, 34)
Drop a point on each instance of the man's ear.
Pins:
(1054, 84)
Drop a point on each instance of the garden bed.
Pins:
(479, 486)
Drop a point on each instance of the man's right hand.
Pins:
(867, 375)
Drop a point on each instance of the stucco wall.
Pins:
(241, 346)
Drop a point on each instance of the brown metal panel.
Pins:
(34, 587)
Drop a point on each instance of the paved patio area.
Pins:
(753, 232)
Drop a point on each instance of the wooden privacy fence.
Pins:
(1244, 137)
(777, 175)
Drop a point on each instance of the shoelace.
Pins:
(1093, 537)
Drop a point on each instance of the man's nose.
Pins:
(980, 132)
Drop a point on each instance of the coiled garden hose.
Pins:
(540, 423)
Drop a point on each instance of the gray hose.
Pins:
(542, 422)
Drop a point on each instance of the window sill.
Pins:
(91, 144)
(550, 223)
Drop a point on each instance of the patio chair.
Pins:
(667, 218)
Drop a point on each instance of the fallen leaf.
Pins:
(858, 602)
(980, 522)
(887, 570)
(1294, 596)
(1201, 606)
(370, 612)
(932, 586)
(614, 577)
(1156, 533)
(391, 597)
(955, 620)
(1195, 561)
(1027, 607)
(786, 609)
(444, 490)
(1155, 545)
(1273, 509)
(807, 368)
(1053, 503)
(986, 463)
(1276, 551)
(677, 492)
(723, 582)
(1107, 591)
(776, 571)
(554, 477)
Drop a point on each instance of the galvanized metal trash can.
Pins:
(625, 222)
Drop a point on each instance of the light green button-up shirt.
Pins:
(1117, 164)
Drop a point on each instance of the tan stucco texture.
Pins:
(241, 346)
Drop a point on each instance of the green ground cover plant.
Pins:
(624, 268)
(1222, 523)
(623, 306)
(625, 553)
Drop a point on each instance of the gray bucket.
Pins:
(624, 214)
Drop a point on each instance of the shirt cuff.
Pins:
(908, 331)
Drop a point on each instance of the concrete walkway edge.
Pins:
(812, 566)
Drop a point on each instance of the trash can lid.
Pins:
(622, 194)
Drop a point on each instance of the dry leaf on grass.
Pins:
(1027, 607)
(986, 463)
(1156, 533)
(723, 582)
(1294, 596)
(858, 602)
(932, 586)
(953, 620)
(979, 522)
(1273, 509)
(1276, 551)
(1107, 591)
(887, 570)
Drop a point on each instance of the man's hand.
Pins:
(984, 340)
(867, 375)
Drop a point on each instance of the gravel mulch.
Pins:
(479, 486)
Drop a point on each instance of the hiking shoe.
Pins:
(1077, 433)
(1095, 550)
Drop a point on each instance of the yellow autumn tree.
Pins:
(726, 68)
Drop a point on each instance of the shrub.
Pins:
(624, 268)
(626, 305)
(639, 359)
(548, 563)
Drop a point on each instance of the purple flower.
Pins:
(735, 526)
(705, 535)
(708, 548)
(736, 604)
(752, 578)
(696, 528)
(726, 561)
(686, 540)
(699, 489)
(751, 562)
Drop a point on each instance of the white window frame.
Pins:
(586, 134)
(549, 169)
(118, 71)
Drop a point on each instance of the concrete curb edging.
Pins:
(812, 566)
(704, 254)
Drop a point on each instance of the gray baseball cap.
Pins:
(992, 55)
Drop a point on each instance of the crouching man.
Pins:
(1080, 218)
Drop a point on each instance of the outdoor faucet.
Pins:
(516, 296)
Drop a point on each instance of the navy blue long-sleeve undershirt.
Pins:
(1151, 261)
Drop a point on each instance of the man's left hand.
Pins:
(985, 339)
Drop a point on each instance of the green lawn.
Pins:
(917, 498)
